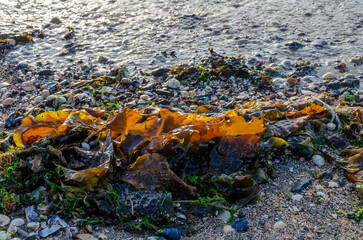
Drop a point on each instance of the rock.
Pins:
(163, 92)
(331, 126)
(31, 214)
(56, 220)
(357, 60)
(102, 59)
(224, 216)
(319, 43)
(145, 97)
(21, 65)
(4, 235)
(10, 41)
(55, 20)
(318, 160)
(297, 197)
(338, 140)
(294, 45)
(333, 184)
(4, 85)
(228, 229)
(291, 81)
(49, 231)
(8, 101)
(301, 184)
(45, 72)
(12, 229)
(17, 222)
(328, 76)
(169, 233)
(85, 146)
(173, 83)
(86, 237)
(126, 81)
(351, 83)
(181, 215)
(45, 93)
(279, 225)
(161, 72)
(33, 225)
(321, 194)
(286, 63)
(241, 225)
(38, 99)
(4, 220)
(22, 233)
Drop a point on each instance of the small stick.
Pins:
(334, 115)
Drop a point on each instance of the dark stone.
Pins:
(334, 84)
(46, 72)
(161, 72)
(294, 45)
(55, 21)
(163, 92)
(338, 140)
(169, 233)
(21, 66)
(241, 225)
(301, 184)
(243, 214)
(350, 83)
(22, 233)
(102, 59)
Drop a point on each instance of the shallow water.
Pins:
(153, 33)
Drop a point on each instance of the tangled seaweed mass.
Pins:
(95, 160)
(136, 164)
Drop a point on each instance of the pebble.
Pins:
(22, 65)
(333, 184)
(301, 184)
(318, 160)
(126, 81)
(297, 197)
(224, 216)
(46, 72)
(279, 225)
(38, 99)
(291, 81)
(328, 76)
(228, 229)
(55, 20)
(4, 84)
(145, 97)
(357, 60)
(320, 194)
(85, 146)
(286, 63)
(45, 93)
(33, 225)
(169, 233)
(4, 220)
(86, 237)
(241, 225)
(17, 222)
(173, 83)
(331, 126)
(4, 235)
(49, 231)
(8, 101)
(181, 215)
